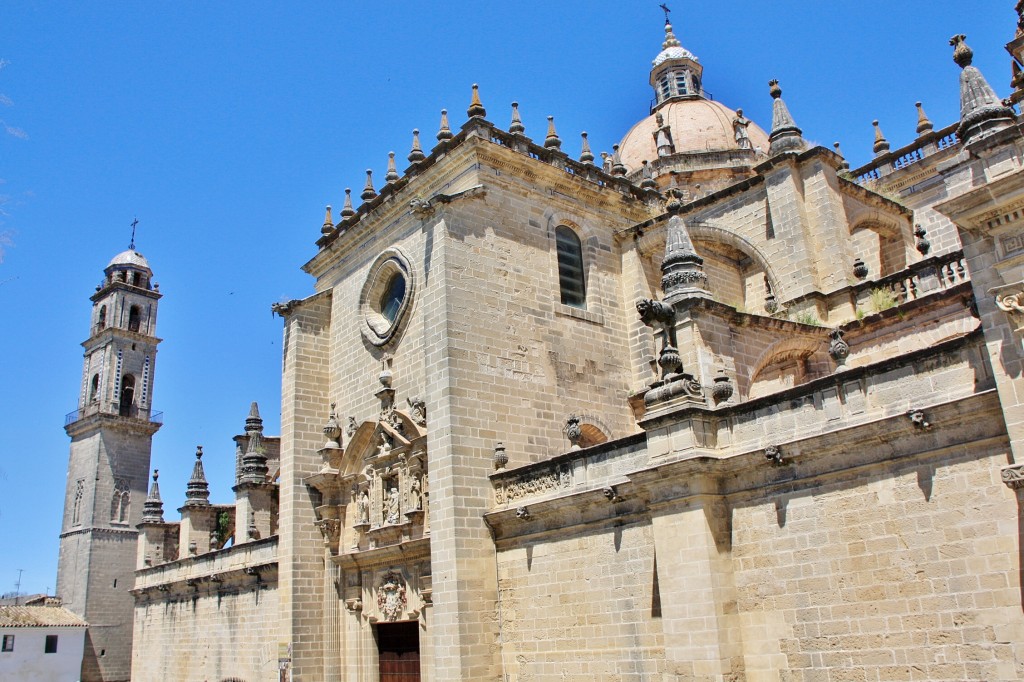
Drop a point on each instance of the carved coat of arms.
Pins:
(391, 596)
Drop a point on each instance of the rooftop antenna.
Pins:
(131, 246)
(667, 10)
(17, 586)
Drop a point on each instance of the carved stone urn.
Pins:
(332, 450)
(722, 389)
(332, 430)
(500, 457)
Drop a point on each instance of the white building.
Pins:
(40, 644)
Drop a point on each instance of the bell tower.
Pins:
(111, 435)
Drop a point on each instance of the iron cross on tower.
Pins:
(131, 245)
(667, 10)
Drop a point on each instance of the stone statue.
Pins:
(392, 506)
(363, 508)
(416, 494)
(739, 126)
(384, 449)
(663, 137)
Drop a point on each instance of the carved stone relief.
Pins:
(528, 485)
(391, 599)
(1013, 476)
(1010, 299)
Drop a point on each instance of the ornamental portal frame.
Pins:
(374, 517)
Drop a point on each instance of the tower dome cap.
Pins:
(130, 257)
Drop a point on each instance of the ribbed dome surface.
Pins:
(697, 125)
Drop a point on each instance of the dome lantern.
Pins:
(676, 72)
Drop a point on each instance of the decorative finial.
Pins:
(845, 165)
(881, 145)
(962, 54)
(665, 8)
(254, 461)
(516, 126)
(368, 191)
(981, 111)
(500, 457)
(682, 269)
(153, 507)
(1016, 79)
(476, 108)
(922, 244)
(332, 430)
(444, 133)
(648, 177)
(197, 493)
(618, 168)
(254, 422)
(785, 135)
(131, 244)
(586, 156)
(924, 124)
(328, 222)
(416, 153)
(670, 37)
(392, 174)
(347, 211)
(552, 141)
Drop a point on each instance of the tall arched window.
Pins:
(120, 503)
(127, 395)
(94, 388)
(102, 323)
(76, 510)
(133, 319)
(570, 267)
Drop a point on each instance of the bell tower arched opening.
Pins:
(134, 317)
(127, 401)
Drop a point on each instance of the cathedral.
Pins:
(714, 406)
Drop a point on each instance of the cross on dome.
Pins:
(671, 48)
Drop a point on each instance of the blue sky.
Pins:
(226, 127)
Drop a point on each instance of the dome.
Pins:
(130, 257)
(673, 52)
(697, 125)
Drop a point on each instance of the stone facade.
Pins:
(734, 413)
(209, 617)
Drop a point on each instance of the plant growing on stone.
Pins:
(883, 299)
(807, 317)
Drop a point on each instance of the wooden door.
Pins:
(398, 650)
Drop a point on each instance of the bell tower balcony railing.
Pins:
(133, 412)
